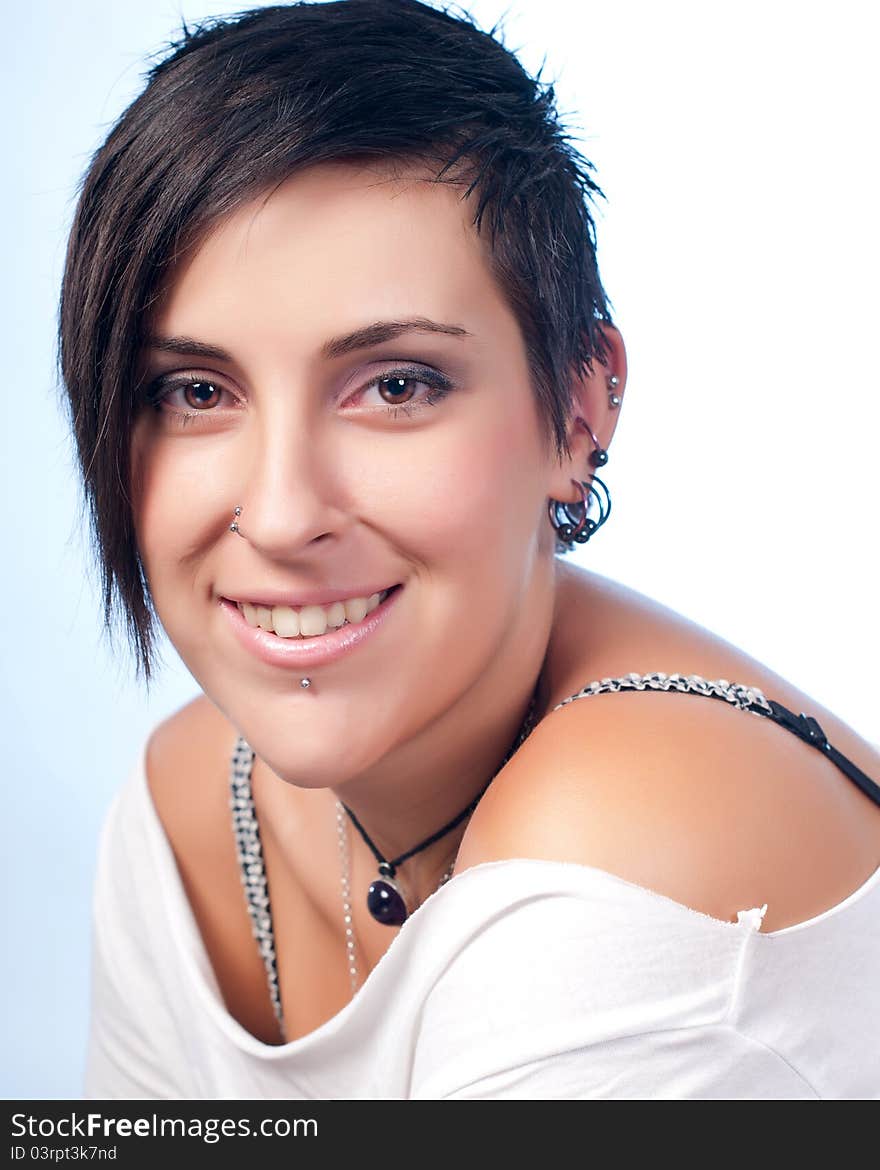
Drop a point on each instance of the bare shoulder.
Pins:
(717, 808)
(186, 762)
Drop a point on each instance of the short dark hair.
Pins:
(238, 104)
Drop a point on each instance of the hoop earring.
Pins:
(598, 457)
(571, 521)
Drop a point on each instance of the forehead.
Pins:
(332, 245)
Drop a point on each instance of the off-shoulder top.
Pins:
(519, 978)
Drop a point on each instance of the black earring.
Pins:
(571, 521)
(599, 456)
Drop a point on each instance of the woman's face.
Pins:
(435, 481)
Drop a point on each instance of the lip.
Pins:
(270, 597)
(301, 653)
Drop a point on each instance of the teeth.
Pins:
(335, 615)
(285, 621)
(310, 621)
(356, 609)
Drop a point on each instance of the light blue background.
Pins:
(737, 147)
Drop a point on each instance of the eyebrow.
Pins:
(362, 338)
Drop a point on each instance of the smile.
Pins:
(254, 628)
(310, 621)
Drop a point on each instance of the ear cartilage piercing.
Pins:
(233, 527)
(305, 683)
(613, 383)
(599, 457)
(613, 398)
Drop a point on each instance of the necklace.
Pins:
(385, 899)
(350, 943)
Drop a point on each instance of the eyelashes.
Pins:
(437, 385)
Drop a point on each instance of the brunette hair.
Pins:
(234, 107)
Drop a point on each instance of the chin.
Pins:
(305, 745)
(303, 768)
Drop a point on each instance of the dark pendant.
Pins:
(385, 902)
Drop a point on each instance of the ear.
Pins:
(591, 398)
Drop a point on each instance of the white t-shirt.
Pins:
(516, 979)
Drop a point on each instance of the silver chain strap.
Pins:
(741, 696)
(249, 851)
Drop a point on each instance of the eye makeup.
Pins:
(437, 386)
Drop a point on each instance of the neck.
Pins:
(389, 864)
(436, 775)
(424, 864)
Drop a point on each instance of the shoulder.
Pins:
(717, 808)
(174, 781)
(195, 732)
(186, 761)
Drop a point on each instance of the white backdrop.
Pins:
(739, 244)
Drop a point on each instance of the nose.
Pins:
(290, 492)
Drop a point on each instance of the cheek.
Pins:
(468, 493)
(174, 515)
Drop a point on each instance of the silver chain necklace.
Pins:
(345, 855)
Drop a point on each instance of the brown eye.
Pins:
(201, 395)
(393, 389)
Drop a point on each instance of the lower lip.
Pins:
(301, 653)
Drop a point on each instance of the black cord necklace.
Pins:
(385, 899)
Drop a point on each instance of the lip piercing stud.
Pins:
(599, 457)
(613, 383)
(233, 527)
(305, 683)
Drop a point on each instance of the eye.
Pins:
(406, 390)
(397, 389)
(186, 396)
(200, 395)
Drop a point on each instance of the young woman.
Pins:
(452, 817)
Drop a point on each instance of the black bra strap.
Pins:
(747, 698)
(807, 729)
